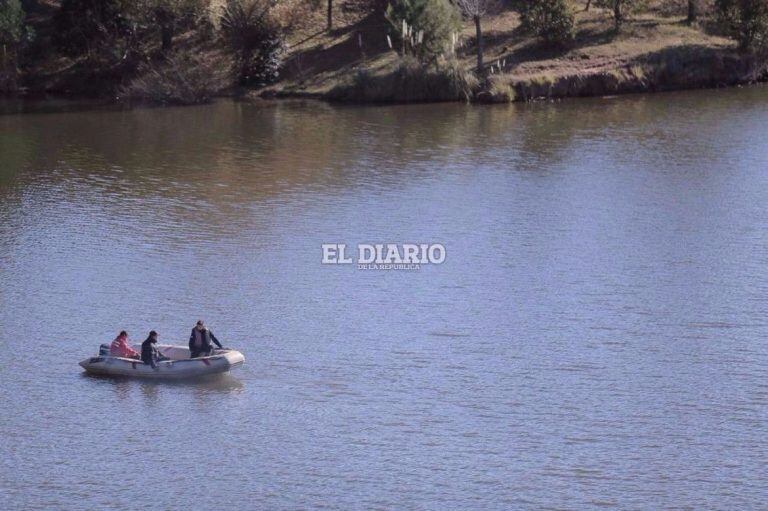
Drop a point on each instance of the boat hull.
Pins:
(180, 366)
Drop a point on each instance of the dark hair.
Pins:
(200, 322)
(153, 333)
(122, 333)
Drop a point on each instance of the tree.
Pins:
(475, 10)
(330, 15)
(425, 27)
(692, 12)
(746, 21)
(11, 23)
(620, 9)
(618, 15)
(11, 30)
(170, 16)
(93, 27)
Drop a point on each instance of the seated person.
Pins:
(149, 353)
(121, 348)
(200, 341)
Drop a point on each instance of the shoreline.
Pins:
(623, 81)
(627, 80)
(709, 70)
(672, 70)
(655, 51)
(76, 102)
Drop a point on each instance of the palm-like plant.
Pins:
(255, 38)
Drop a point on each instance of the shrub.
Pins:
(500, 90)
(182, 79)
(550, 20)
(256, 39)
(746, 21)
(411, 81)
(454, 81)
(425, 28)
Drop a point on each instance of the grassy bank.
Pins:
(655, 50)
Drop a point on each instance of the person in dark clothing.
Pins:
(200, 341)
(149, 353)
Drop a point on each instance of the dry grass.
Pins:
(597, 48)
(410, 82)
(182, 79)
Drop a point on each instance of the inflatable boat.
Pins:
(179, 367)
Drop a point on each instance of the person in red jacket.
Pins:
(121, 348)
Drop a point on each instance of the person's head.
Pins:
(152, 336)
(122, 333)
(200, 325)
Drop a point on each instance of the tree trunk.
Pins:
(617, 19)
(8, 69)
(589, 2)
(165, 20)
(330, 15)
(691, 12)
(479, 34)
(166, 36)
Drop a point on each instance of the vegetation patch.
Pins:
(411, 81)
(553, 21)
(181, 79)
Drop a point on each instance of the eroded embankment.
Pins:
(676, 69)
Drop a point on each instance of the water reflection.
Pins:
(123, 387)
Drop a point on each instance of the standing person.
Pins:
(149, 353)
(121, 348)
(200, 341)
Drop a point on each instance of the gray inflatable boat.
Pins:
(179, 367)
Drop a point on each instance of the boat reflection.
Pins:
(124, 385)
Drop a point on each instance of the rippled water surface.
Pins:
(595, 338)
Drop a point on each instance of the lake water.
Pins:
(596, 337)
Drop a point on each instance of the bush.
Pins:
(746, 21)
(499, 90)
(425, 28)
(411, 81)
(550, 20)
(256, 39)
(182, 79)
